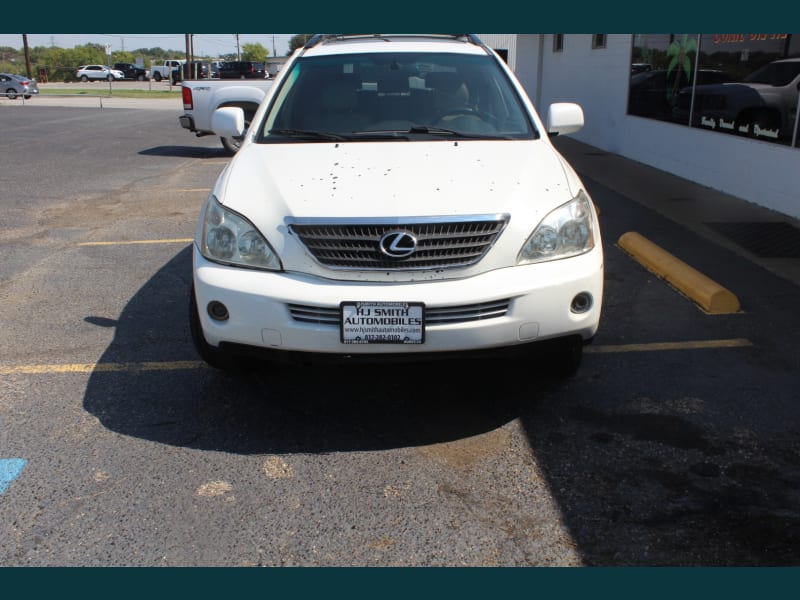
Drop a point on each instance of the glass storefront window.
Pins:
(736, 84)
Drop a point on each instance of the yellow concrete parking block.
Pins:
(707, 293)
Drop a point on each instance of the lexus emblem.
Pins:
(398, 244)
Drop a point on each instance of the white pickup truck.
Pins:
(202, 97)
(164, 70)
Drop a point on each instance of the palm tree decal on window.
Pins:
(679, 52)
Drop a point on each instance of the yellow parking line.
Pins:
(178, 365)
(697, 345)
(182, 365)
(121, 242)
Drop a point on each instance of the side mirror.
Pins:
(563, 118)
(228, 121)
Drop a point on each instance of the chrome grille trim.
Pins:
(442, 242)
(442, 315)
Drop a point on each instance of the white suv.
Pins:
(98, 73)
(396, 196)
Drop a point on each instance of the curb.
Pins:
(708, 294)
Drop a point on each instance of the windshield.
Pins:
(372, 96)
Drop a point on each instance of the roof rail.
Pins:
(321, 38)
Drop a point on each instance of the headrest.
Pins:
(449, 89)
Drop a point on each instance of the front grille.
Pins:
(442, 242)
(442, 315)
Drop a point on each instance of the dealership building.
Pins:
(717, 109)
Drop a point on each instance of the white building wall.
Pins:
(760, 172)
(502, 41)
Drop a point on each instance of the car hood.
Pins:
(275, 185)
(395, 179)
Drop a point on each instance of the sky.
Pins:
(211, 44)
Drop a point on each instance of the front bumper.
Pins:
(539, 298)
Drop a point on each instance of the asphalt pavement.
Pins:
(676, 443)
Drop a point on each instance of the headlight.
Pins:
(231, 239)
(565, 231)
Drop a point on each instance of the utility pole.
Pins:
(27, 54)
(238, 52)
(273, 46)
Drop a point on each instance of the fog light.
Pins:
(217, 311)
(581, 303)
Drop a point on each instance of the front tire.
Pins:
(110, 78)
(556, 359)
(565, 359)
(140, 78)
(11, 94)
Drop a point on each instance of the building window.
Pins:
(558, 42)
(726, 83)
(598, 40)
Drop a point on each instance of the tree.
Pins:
(254, 52)
(122, 56)
(298, 40)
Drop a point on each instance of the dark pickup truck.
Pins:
(133, 71)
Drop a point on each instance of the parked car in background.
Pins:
(397, 201)
(12, 86)
(165, 69)
(98, 73)
(242, 69)
(132, 71)
(202, 98)
(194, 70)
(215, 64)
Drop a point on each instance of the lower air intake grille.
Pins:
(442, 315)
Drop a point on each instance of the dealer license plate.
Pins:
(383, 322)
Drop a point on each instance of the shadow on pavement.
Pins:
(186, 152)
(279, 409)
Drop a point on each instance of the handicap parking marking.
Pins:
(10, 468)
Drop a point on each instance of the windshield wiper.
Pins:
(380, 134)
(308, 134)
(453, 133)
